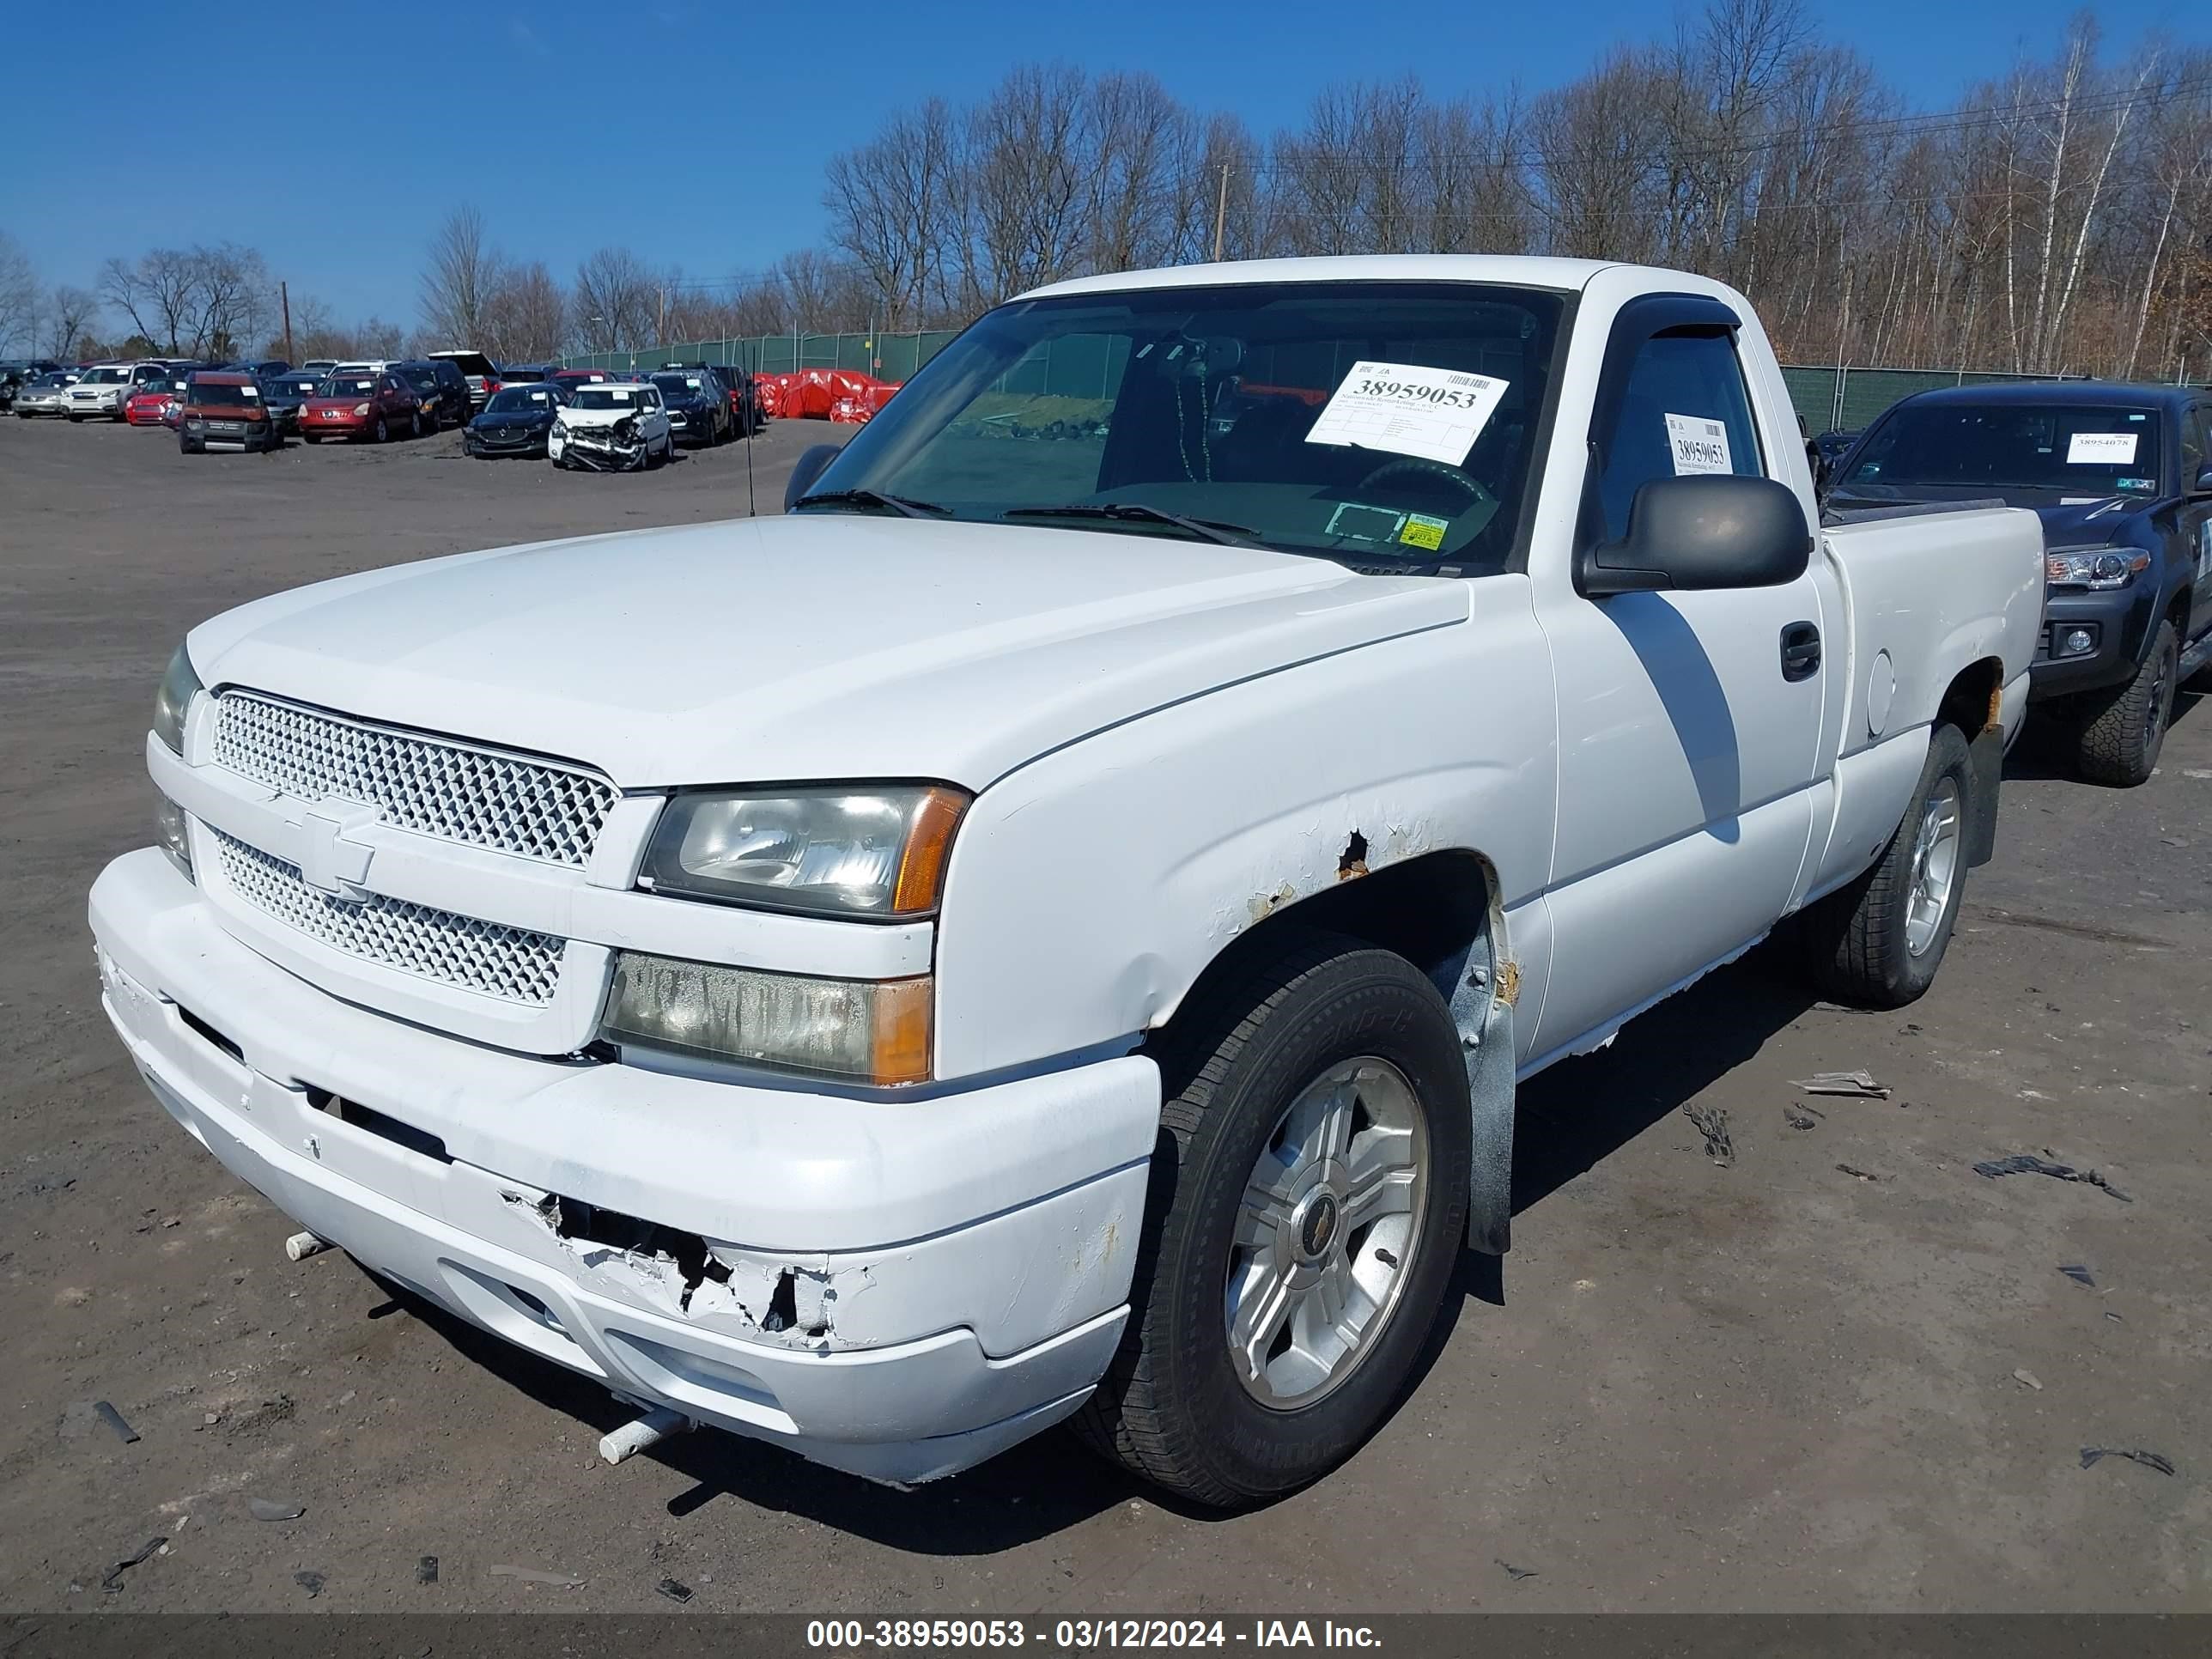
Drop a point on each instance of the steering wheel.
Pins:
(1420, 467)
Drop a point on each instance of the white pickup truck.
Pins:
(1050, 927)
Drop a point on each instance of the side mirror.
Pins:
(1703, 531)
(811, 464)
(2203, 485)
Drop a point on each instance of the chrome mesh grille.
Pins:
(511, 964)
(538, 809)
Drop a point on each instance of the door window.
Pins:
(1684, 410)
(2193, 447)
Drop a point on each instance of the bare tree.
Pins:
(526, 316)
(19, 294)
(891, 211)
(462, 281)
(69, 315)
(614, 305)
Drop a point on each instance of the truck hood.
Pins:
(816, 647)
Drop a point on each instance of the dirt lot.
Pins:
(1789, 1384)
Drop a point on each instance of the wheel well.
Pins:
(2177, 612)
(1429, 909)
(1974, 702)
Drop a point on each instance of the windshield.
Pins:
(2076, 451)
(676, 387)
(105, 377)
(520, 400)
(423, 379)
(347, 385)
(55, 379)
(222, 393)
(1378, 421)
(611, 397)
(295, 385)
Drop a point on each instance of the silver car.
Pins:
(47, 395)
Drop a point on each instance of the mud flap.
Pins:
(1985, 754)
(1483, 1014)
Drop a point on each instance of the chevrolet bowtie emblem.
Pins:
(330, 860)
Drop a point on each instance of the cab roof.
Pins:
(1569, 276)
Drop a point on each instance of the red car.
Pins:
(153, 403)
(569, 379)
(372, 405)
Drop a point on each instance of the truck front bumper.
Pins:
(2117, 622)
(900, 1290)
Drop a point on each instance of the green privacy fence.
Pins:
(1830, 398)
(1844, 399)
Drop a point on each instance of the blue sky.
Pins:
(367, 124)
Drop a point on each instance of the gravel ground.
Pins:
(1798, 1382)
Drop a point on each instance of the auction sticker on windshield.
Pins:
(1700, 444)
(1409, 410)
(2112, 448)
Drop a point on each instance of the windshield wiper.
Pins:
(1205, 529)
(902, 504)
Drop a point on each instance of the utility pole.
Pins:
(662, 337)
(1220, 213)
(284, 299)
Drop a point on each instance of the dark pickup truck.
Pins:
(2122, 479)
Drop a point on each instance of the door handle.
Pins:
(1800, 651)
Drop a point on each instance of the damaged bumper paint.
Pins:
(898, 1290)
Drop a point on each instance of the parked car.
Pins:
(573, 377)
(611, 427)
(698, 405)
(318, 365)
(1105, 1000)
(517, 421)
(371, 405)
(482, 374)
(224, 411)
(440, 385)
(525, 374)
(2120, 476)
(150, 402)
(736, 388)
(266, 369)
(286, 393)
(47, 395)
(101, 390)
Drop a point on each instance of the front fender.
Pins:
(1089, 890)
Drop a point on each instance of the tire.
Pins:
(74, 417)
(1879, 941)
(415, 424)
(381, 432)
(184, 445)
(1242, 1064)
(2119, 743)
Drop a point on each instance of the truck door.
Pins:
(2195, 515)
(1689, 722)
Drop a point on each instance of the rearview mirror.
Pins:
(811, 464)
(1704, 531)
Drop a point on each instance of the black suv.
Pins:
(2122, 477)
(698, 403)
(442, 388)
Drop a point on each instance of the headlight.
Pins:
(868, 1031)
(360, 410)
(172, 700)
(2094, 567)
(852, 852)
(169, 826)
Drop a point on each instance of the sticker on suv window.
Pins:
(1699, 445)
(1409, 409)
(2106, 448)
